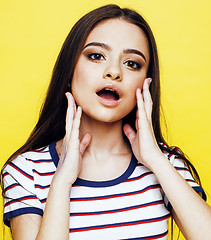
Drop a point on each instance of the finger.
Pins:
(75, 127)
(129, 132)
(85, 141)
(141, 112)
(70, 113)
(147, 98)
(140, 102)
(142, 121)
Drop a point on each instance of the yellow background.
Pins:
(32, 32)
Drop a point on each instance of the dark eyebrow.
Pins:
(98, 44)
(136, 52)
(107, 47)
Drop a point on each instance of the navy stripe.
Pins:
(117, 210)
(148, 237)
(20, 211)
(117, 195)
(39, 160)
(182, 168)
(53, 153)
(41, 187)
(11, 186)
(139, 177)
(169, 155)
(21, 171)
(29, 197)
(118, 180)
(121, 224)
(5, 174)
(82, 182)
(199, 189)
(43, 174)
(43, 200)
(190, 180)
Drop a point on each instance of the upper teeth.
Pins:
(110, 89)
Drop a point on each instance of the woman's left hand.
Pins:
(144, 145)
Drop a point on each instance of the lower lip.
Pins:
(108, 103)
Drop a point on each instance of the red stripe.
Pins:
(10, 187)
(40, 161)
(42, 187)
(114, 196)
(117, 211)
(43, 174)
(75, 185)
(189, 180)
(43, 200)
(154, 237)
(120, 225)
(181, 169)
(19, 200)
(43, 161)
(5, 174)
(20, 171)
(140, 177)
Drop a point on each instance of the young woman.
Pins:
(96, 165)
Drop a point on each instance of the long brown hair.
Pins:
(51, 123)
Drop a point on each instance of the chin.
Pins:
(104, 116)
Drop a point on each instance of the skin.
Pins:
(110, 63)
(83, 153)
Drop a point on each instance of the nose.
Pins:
(113, 72)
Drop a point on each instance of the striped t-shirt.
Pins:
(132, 206)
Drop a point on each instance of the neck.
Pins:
(106, 137)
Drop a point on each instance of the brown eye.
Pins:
(133, 64)
(95, 56)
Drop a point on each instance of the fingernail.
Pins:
(66, 94)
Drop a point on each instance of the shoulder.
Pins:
(29, 156)
(23, 165)
(178, 163)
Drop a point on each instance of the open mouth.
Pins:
(108, 94)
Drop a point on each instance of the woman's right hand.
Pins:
(69, 165)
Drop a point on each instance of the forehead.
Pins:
(119, 33)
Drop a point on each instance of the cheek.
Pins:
(79, 75)
(76, 87)
(78, 80)
(137, 82)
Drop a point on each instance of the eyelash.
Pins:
(135, 65)
(95, 56)
(99, 57)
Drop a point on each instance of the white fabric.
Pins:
(132, 206)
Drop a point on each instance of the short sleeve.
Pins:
(19, 190)
(183, 170)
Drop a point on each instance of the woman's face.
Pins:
(112, 65)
